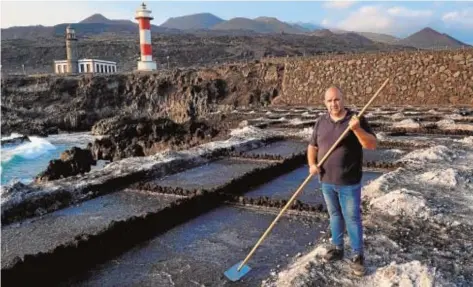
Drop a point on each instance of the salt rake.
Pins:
(237, 271)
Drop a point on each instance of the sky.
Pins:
(398, 18)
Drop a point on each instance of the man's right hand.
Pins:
(314, 169)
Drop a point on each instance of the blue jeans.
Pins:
(343, 204)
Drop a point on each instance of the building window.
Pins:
(101, 69)
(81, 70)
(96, 68)
(88, 68)
(64, 67)
(59, 70)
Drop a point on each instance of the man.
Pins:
(340, 175)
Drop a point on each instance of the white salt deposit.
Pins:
(397, 116)
(413, 273)
(445, 122)
(247, 131)
(453, 116)
(432, 154)
(396, 151)
(305, 133)
(402, 202)
(308, 115)
(243, 124)
(407, 123)
(449, 124)
(382, 184)
(433, 112)
(299, 267)
(381, 135)
(447, 177)
(466, 140)
(295, 121)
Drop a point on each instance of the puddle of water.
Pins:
(285, 149)
(284, 186)
(199, 251)
(210, 176)
(45, 233)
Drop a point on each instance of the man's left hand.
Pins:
(354, 123)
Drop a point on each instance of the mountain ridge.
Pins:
(97, 24)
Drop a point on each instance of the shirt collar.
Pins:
(347, 116)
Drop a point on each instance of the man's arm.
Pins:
(312, 151)
(312, 159)
(367, 139)
(311, 155)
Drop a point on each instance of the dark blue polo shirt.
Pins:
(344, 165)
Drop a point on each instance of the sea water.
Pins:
(24, 161)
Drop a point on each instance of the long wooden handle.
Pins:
(307, 180)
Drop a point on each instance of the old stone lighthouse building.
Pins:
(73, 65)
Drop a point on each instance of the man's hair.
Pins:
(332, 87)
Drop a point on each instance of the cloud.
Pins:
(325, 22)
(403, 12)
(395, 20)
(460, 19)
(334, 4)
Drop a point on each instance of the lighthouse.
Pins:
(143, 16)
(71, 50)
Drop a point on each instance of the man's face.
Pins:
(334, 102)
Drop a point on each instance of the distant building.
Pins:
(87, 66)
(73, 66)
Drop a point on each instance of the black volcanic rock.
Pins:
(127, 136)
(71, 162)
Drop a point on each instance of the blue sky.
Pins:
(399, 18)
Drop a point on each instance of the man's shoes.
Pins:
(333, 254)
(357, 265)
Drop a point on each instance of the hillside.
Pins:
(280, 26)
(96, 24)
(192, 22)
(428, 38)
(378, 37)
(307, 26)
(322, 33)
(184, 50)
(259, 25)
(241, 23)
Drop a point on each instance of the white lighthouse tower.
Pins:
(144, 16)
